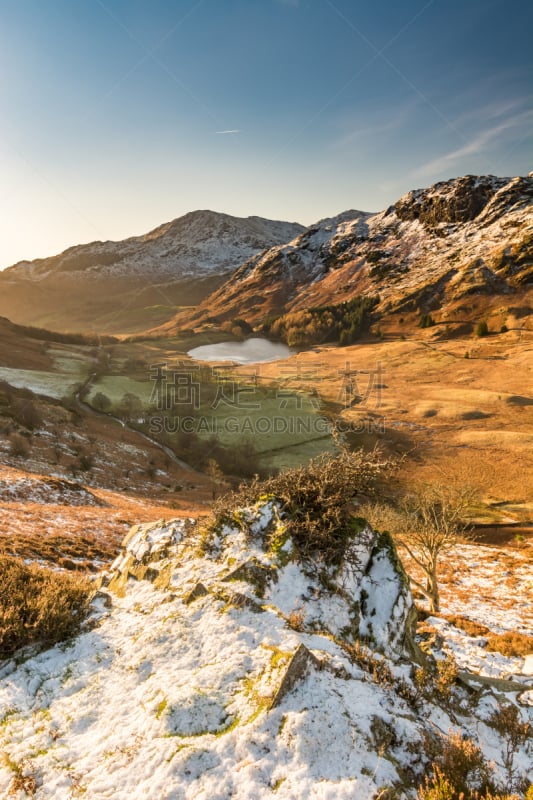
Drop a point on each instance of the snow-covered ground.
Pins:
(490, 586)
(49, 384)
(46, 491)
(158, 702)
(189, 691)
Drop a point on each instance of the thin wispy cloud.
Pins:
(366, 127)
(228, 132)
(479, 144)
(495, 109)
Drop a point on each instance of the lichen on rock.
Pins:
(251, 562)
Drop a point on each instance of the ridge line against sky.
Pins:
(119, 115)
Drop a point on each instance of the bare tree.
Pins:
(216, 476)
(428, 522)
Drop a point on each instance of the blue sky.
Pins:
(118, 115)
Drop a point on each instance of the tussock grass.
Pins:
(467, 625)
(38, 605)
(511, 643)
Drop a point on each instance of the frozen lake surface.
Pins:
(248, 352)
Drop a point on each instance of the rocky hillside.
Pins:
(220, 664)
(460, 248)
(91, 286)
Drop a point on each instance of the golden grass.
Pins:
(452, 415)
(38, 605)
(467, 625)
(84, 538)
(511, 643)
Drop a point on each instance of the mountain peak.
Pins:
(175, 264)
(344, 216)
(457, 200)
(466, 235)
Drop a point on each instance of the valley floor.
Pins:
(468, 418)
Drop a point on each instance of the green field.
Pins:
(69, 359)
(285, 426)
(116, 386)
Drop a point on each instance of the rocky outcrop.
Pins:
(364, 598)
(459, 200)
(219, 663)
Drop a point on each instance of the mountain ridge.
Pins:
(215, 223)
(467, 237)
(118, 286)
(471, 235)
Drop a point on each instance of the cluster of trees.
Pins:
(343, 323)
(237, 327)
(130, 406)
(239, 460)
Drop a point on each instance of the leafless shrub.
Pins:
(318, 499)
(18, 446)
(515, 732)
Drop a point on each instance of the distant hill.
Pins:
(457, 249)
(24, 347)
(139, 282)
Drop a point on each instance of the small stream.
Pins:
(88, 408)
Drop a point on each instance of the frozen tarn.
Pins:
(251, 351)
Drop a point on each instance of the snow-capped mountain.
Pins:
(467, 236)
(201, 242)
(175, 264)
